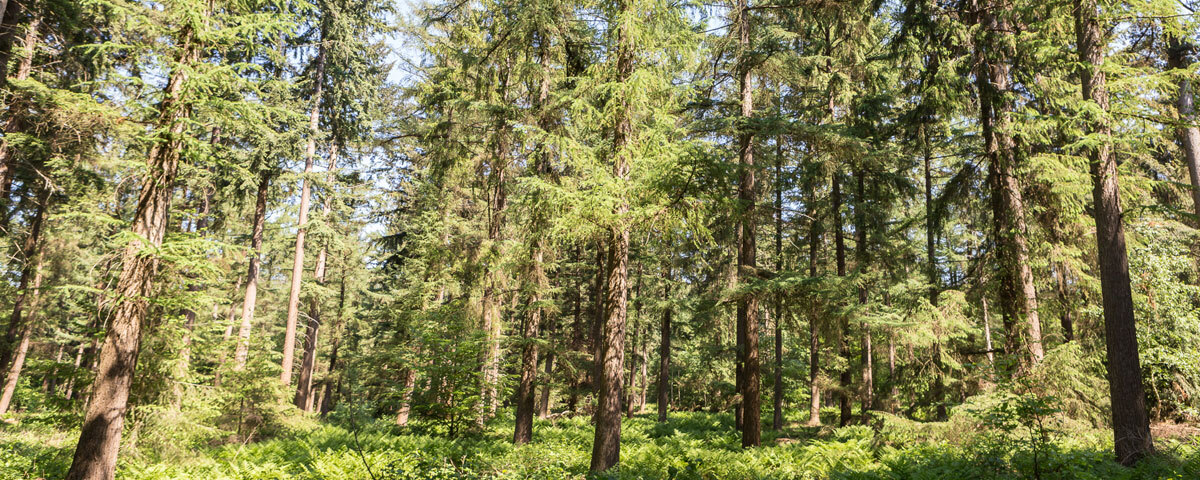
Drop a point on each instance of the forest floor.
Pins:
(689, 446)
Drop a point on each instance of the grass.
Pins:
(689, 446)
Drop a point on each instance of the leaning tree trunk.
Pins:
(100, 437)
(18, 361)
(1131, 426)
(606, 447)
(310, 153)
(29, 250)
(242, 350)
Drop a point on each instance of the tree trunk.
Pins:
(16, 119)
(1131, 426)
(747, 250)
(664, 349)
(938, 388)
(1189, 134)
(100, 437)
(308, 365)
(839, 242)
(1019, 296)
(29, 251)
(606, 447)
(777, 391)
(310, 153)
(987, 334)
(814, 339)
(18, 361)
(523, 431)
(410, 380)
(242, 350)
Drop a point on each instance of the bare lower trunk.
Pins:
(664, 350)
(28, 255)
(1131, 426)
(256, 238)
(308, 365)
(18, 362)
(310, 153)
(100, 436)
(410, 381)
(987, 334)
(814, 339)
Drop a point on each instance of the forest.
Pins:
(626, 239)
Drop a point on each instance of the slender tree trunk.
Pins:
(814, 332)
(18, 362)
(987, 334)
(543, 406)
(631, 385)
(931, 269)
(1019, 300)
(1064, 300)
(1131, 426)
(29, 250)
(777, 391)
(606, 447)
(664, 348)
(310, 153)
(256, 238)
(523, 430)
(1189, 134)
(839, 241)
(100, 437)
(308, 365)
(862, 254)
(329, 397)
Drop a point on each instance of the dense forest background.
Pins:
(792, 239)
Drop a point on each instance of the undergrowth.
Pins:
(689, 446)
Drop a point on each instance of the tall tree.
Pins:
(1131, 425)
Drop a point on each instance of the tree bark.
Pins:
(18, 361)
(777, 421)
(16, 119)
(308, 365)
(242, 351)
(29, 253)
(606, 447)
(1131, 426)
(100, 437)
(814, 339)
(310, 153)
(747, 250)
(1178, 52)
(1019, 296)
(664, 348)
